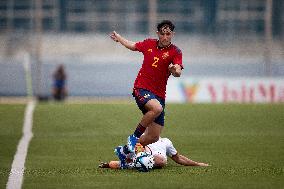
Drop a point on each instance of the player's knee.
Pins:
(158, 110)
(155, 107)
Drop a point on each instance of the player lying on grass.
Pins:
(161, 149)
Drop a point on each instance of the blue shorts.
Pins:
(142, 96)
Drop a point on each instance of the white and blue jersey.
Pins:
(163, 147)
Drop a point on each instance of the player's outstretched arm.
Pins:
(111, 164)
(118, 38)
(182, 160)
(175, 70)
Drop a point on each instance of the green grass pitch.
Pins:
(11, 123)
(243, 143)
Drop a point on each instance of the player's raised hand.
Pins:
(118, 38)
(114, 36)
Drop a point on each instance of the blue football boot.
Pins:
(131, 142)
(121, 156)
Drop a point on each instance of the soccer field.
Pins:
(244, 144)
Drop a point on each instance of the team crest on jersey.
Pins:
(150, 50)
(165, 55)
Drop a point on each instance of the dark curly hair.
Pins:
(165, 23)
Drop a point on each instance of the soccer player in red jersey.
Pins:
(161, 59)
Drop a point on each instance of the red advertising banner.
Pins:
(226, 90)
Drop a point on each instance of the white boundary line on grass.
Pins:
(15, 179)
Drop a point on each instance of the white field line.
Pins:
(15, 179)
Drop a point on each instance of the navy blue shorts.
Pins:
(142, 96)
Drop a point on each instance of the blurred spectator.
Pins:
(59, 91)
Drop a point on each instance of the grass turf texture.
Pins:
(11, 123)
(243, 143)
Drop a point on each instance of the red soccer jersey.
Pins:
(154, 72)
